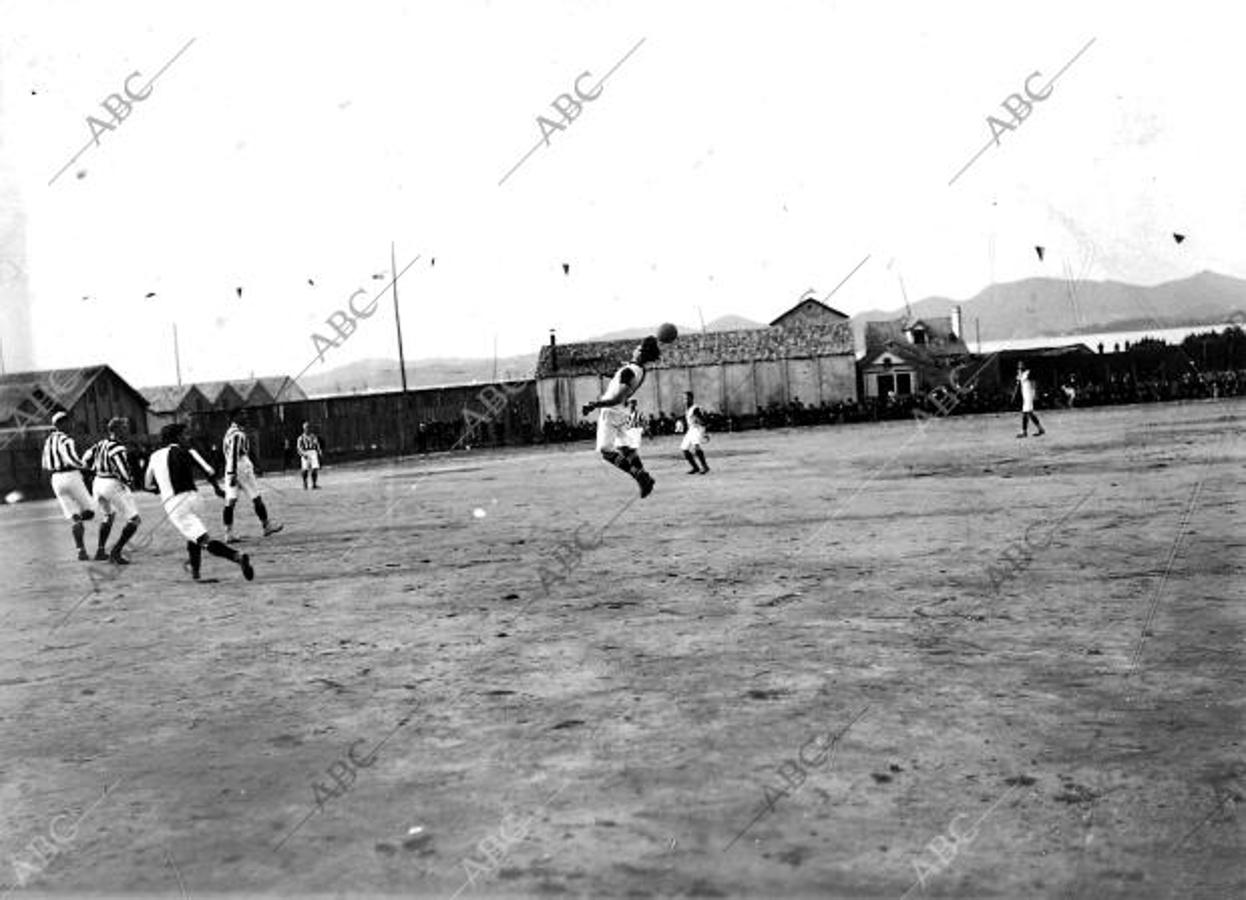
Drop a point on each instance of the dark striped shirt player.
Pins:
(113, 480)
(171, 471)
(240, 475)
(61, 461)
(309, 453)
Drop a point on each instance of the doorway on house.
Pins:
(886, 384)
(904, 384)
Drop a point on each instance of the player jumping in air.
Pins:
(240, 476)
(309, 453)
(692, 441)
(612, 438)
(171, 470)
(62, 462)
(112, 489)
(1025, 385)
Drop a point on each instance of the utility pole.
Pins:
(177, 356)
(402, 360)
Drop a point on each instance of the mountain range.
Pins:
(1033, 307)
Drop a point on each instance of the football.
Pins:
(667, 332)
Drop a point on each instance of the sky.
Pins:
(737, 156)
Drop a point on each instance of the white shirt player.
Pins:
(622, 387)
(696, 428)
(1027, 390)
(612, 411)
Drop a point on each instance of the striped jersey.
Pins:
(109, 460)
(308, 443)
(236, 446)
(172, 470)
(60, 454)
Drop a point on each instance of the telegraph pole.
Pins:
(402, 360)
(177, 356)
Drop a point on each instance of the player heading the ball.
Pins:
(613, 440)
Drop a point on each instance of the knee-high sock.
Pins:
(79, 530)
(196, 555)
(691, 459)
(315, 476)
(304, 479)
(126, 533)
(260, 510)
(228, 514)
(626, 460)
(105, 530)
(701, 456)
(216, 548)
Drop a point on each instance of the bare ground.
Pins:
(979, 717)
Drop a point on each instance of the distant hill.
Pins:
(1038, 307)
(382, 374)
(722, 323)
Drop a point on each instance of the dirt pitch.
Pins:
(978, 717)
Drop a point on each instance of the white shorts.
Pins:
(1027, 406)
(71, 491)
(632, 436)
(311, 460)
(694, 438)
(114, 497)
(611, 428)
(183, 511)
(246, 481)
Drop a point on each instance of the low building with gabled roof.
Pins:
(90, 394)
(810, 312)
(911, 356)
(809, 358)
(169, 403)
(220, 394)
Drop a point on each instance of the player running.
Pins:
(695, 437)
(171, 471)
(240, 476)
(61, 460)
(309, 453)
(109, 460)
(1025, 384)
(612, 420)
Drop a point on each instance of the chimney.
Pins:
(553, 352)
(957, 323)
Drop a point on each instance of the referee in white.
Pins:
(62, 462)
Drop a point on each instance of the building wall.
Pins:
(108, 396)
(735, 389)
(361, 425)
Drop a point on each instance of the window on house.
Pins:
(904, 384)
(886, 384)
